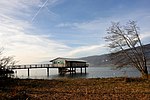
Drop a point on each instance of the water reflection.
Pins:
(77, 75)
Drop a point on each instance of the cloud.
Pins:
(19, 41)
(25, 9)
(93, 25)
(17, 7)
(93, 30)
(27, 48)
(62, 25)
(99, 25)
(145, 37)
(97, 28)
(88, 50)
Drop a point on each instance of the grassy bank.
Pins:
(75, 89)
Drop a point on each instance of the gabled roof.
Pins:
(68, 59)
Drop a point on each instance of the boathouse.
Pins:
(67, 62)
(64, 63)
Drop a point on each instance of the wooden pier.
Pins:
(61, 70)
(64, 65)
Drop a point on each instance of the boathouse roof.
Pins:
(68, 59)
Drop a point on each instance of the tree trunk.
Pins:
(145, 73)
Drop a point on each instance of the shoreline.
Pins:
(82, 88)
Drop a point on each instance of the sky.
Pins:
(34, 31)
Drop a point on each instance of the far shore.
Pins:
(75, 89)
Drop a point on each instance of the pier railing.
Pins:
(31, 66)
(41, 66)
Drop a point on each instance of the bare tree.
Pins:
(126, 46)
(6, 62)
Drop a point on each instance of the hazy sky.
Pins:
(39, 30)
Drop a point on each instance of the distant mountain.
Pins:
(104, 60)
(98, 60)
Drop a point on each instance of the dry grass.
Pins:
(76, 89)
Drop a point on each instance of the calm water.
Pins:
(92, 72)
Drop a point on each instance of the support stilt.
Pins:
(85, 70)
(81, 70)
(75, 70)
(47, 71)
(70, 70)
(28, 72)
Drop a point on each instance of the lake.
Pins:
(92, 72)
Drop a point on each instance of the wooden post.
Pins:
(81, 70)
(28, 72)
(70, 69)
(47, 71)
(85, 70)
(59, 70)
(75, 70)
(24, 66)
